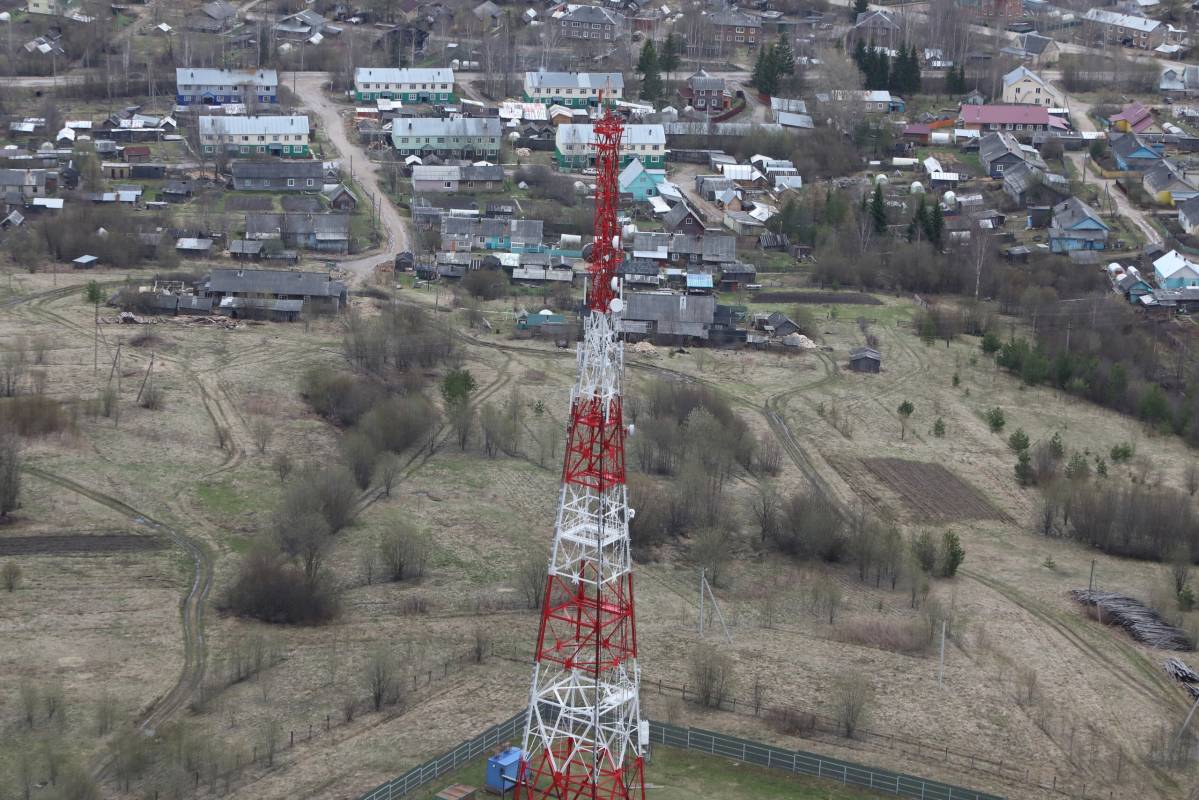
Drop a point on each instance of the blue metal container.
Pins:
(502, 769)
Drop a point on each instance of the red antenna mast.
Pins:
(584, 738)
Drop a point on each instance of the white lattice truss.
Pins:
(596, 718)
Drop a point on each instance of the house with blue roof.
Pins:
(640, 182)
(1135, 154)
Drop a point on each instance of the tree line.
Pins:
(900, 74)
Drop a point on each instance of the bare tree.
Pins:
(52, 755)
(361, 456)
(712, 548)
(389, 472)
(262, 431)
(29, 698)
(380, 679)
(854, 695)
(481, 645)
(53, 700)
(405, 551)
(10, 575)
(303, 534)
(529, 578)
(272, 735)
(106, 713)
(825, 598)
(712, 675)
(25, 774)
(1191, 477)
(1180, 566)
(282, 465)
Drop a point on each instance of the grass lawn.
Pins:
(681, 775)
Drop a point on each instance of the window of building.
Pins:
(310, 181)
(291, 181)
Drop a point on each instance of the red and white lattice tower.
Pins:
(583, 729)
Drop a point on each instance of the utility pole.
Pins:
(1091, 580)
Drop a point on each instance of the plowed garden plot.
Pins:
(250, 203)
(301, 204)
(844, 298)
(933, 493)
(77, 543)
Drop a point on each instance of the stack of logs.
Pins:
(1139, 620)
(1180, 672)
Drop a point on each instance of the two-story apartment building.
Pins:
(705, 92)
(202, 86)
(1023, 86)
(574, 146)
(408, 84)
(1116, 28)
(572, 89)
(457, 137)
(731, 29)
(587, 22)
(285, 136)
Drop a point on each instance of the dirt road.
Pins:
(309, 87)
(1080, 112)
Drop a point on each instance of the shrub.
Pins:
(151, 398)
(895, 634)
(1122, 453)
(338, 396)
(405, 552)
(398, 423)
(360, 456)
(270, 589)
(791, 722)
(924, 550)
(995, 419)
(853, 696)
(939, 428)
(712, 675)
(1018, 441)
(34, 415)
(485, 284)
(810, 526)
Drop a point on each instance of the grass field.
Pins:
(96, 622)
(681, 775)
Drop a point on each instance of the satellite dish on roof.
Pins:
(616, 306)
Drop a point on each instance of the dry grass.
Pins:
(483, 515)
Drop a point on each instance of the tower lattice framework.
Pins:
(583, 728)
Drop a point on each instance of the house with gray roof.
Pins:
(667, 317)
(572, 89)
(456, 178)
(323, 233)
(1176, 82)
(999, 151)
(447, 137)
(213, 17)
(407, 84)
(202, 86)
(278, 176)
(1028, 185)
(1166, 184)
(278, 135)
(315, 288)
(589, 22)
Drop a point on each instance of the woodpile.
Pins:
(1139, 620)
(1182, 673)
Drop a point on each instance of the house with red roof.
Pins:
(1134, 118)
(1017, 119)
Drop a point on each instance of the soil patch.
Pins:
(932, 492)
(78, 543)
(248, 203)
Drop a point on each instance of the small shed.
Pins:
(84, 262)
(865, 359)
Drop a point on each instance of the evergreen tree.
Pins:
(672, 51)
(860, 7)
(936, 225)
(859, 55)
(878, 210)
(651, 79)
(784, 56)
(648, 62)
(918, 227)
(882, 78)
(759, 73)
(913, 72)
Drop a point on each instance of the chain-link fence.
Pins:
(755, 753)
